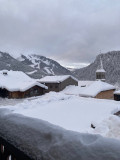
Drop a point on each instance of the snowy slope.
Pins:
(35, 66)
(45, 65)
(10, 63)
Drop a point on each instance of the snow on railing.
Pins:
(24, 138)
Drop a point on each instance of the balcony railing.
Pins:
(9, 152)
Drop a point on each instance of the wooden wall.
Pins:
(68, 82)
(57, 87)
(52, 87)
(106, 94)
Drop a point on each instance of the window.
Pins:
(35, 91)
(56, 86)
(51, 86)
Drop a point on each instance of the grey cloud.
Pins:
(67, 30)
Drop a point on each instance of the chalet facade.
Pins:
(16, 84)
(33, 91)
(58, 83)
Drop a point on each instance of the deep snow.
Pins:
(69, 111)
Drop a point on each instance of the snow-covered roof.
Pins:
(17, 81)
(85, 83)
(100, 70)
(56, 79)
(117, 92)
(95, 88)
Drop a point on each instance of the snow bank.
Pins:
(42, 140)
(109, 127)
(68, 111)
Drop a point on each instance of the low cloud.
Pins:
(71, 31)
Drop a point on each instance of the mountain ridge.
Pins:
(111, 64)
(35, 66)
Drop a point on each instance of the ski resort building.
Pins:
(100, 90)
(58, 83)
(16, 84)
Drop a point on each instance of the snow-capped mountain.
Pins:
(111, 63)
(34, 65)
(44, 65)
(37, 66)
(10, 63)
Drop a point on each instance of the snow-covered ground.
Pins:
(72, 112)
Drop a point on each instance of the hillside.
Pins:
(34, 65)
(43, 65)
(111, 63)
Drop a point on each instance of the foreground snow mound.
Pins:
(109, 127)
(68, 111)
(42, 140)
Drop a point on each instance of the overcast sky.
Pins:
(70, 31)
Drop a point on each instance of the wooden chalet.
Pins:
(58, 83)
(16, 84)
(100, 90)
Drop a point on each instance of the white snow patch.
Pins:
(31, 72)
(117, 92)
(20, 59)
(46, 62)
(47, 70)
(100, 70)
(109, 127)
